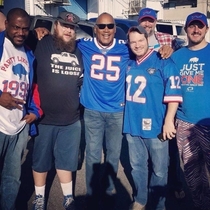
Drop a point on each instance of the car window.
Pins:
(72, 55)
(165, 28)
(180, 30)
(44, 23)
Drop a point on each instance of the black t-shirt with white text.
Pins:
(57, 77)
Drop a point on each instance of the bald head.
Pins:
(105, 29)
(2, 21)
(103, 16)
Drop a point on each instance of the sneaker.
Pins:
(39, 203)
(68, 202)
(136, 206)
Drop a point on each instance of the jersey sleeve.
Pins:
(172, 82)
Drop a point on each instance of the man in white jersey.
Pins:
(193, 115)
(17, 106)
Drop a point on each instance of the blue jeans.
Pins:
(140, 151)
(11, 150)
(101, 126)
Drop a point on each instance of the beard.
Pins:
(198, 41)
(62, 45)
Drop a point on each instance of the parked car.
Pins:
(175, 29)
(85, 27)
(65, 57)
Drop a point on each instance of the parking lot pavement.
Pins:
(123, 196)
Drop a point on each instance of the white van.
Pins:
(175, 29)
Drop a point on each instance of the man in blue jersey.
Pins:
(193, 115)
(105, 60)
(152, 97)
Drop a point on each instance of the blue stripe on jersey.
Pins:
(146, 86)
(104, 75)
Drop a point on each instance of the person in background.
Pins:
(164, 43)
(17, 106)
(58, 71)
(152, 97)
(193, 115)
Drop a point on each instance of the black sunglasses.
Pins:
(103, 26)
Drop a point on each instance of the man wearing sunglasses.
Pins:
(105, 59)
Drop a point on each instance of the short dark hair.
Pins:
(17, 12)
(138, 29)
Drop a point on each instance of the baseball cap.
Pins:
(139, 29)
(147, 12)
(196, 16)
(68, 18)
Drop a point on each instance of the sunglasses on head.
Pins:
(103, 26)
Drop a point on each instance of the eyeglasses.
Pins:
(103, 26)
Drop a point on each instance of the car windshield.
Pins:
(165, 28)
(180, 30)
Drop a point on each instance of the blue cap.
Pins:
(198, 17)
(147, 12)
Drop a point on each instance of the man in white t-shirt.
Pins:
(17, 106)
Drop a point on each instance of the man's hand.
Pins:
(41, 32)
(29, 118)
(9, 102)
(165, 51)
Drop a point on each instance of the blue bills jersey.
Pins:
(194, 70)
(150, 85)
(104, 75)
